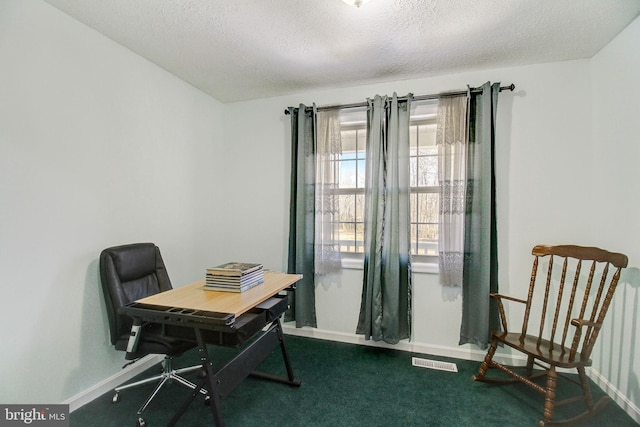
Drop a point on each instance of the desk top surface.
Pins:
(196, 297)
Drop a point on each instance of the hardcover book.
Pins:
(234, 269)
(235, 279)
(229, 281)
(231, 288)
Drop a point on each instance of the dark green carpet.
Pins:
(344, 385)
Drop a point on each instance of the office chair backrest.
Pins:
(130, 272)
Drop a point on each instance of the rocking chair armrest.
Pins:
(503, 317)
(500, 296)
(579, 323)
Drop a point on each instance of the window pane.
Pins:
(427, 135)
(413, 171)
(426, 208)
(361, 172)
(348, 140)
(423, 173)
(347, 173)
(414, 239)
(424, 223)
(427, 171)
(430, 150)
(362, 142)
(413, 207)
(347, 208)
(360, 237)
(347, 234)
(359, 208)
(427, 239)
(413, 140)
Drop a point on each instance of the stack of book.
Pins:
(234, 277)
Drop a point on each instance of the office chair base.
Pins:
(168, 374)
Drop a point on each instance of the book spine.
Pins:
(236, 289)
(233, 273)
(234, 279)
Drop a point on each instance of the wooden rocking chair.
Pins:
(571, 315)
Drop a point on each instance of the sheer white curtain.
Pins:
(450, 139)
(328, 150)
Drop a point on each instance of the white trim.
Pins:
(462, 353)
(425, 267)
(355, 263)
(352, 263)
(616, 395)
(113, 381)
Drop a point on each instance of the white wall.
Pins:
(552, 188)
(615, 204)
(541, 150)
(98, 147)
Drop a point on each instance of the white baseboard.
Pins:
(615, 394)
(459, 353)
(463, 353)
(113, 381)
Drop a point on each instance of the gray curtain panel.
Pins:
(385, 312)
(302, 215)
(480, 270)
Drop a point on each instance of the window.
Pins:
(424, 182)
(351, 186)
(425, 188)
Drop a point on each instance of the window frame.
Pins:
(420, 263)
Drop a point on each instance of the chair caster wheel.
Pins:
(115, 398)
(141, 423)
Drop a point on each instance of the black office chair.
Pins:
(130, 272)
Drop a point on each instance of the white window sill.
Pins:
(352, 264)
(416, 267)
(424, 267)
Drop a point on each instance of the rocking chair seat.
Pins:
(545, 350)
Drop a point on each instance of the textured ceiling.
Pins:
(246, 49)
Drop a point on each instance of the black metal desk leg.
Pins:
(285, 355)
(215, 402)
(267, 343)
(187, 402)
(206, 364)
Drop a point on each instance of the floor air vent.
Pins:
(434, 364)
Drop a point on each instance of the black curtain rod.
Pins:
(511, 87)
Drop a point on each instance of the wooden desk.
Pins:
(195, 297)
(221, 318)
